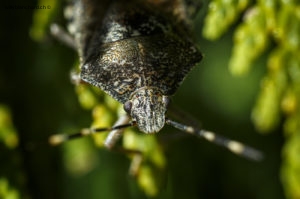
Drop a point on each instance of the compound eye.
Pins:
(127, 107)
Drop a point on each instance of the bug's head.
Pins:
(147, 107)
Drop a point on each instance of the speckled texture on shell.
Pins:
(133, 46)
(124, 66)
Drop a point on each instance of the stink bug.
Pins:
(138, 52)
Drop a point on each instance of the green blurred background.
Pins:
(36, 91)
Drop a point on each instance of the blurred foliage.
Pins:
(8, 133)
(272, 27)
(11, 175)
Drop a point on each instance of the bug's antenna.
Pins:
(232, 145)
(61, 35)
(60, 138)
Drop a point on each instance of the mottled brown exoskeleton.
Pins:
(138, 52)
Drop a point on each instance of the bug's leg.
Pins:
(60, 34)
(192, 7)
(184, 11)
(136, 161)
(114, 136)
(232, 145)
(75, 78)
